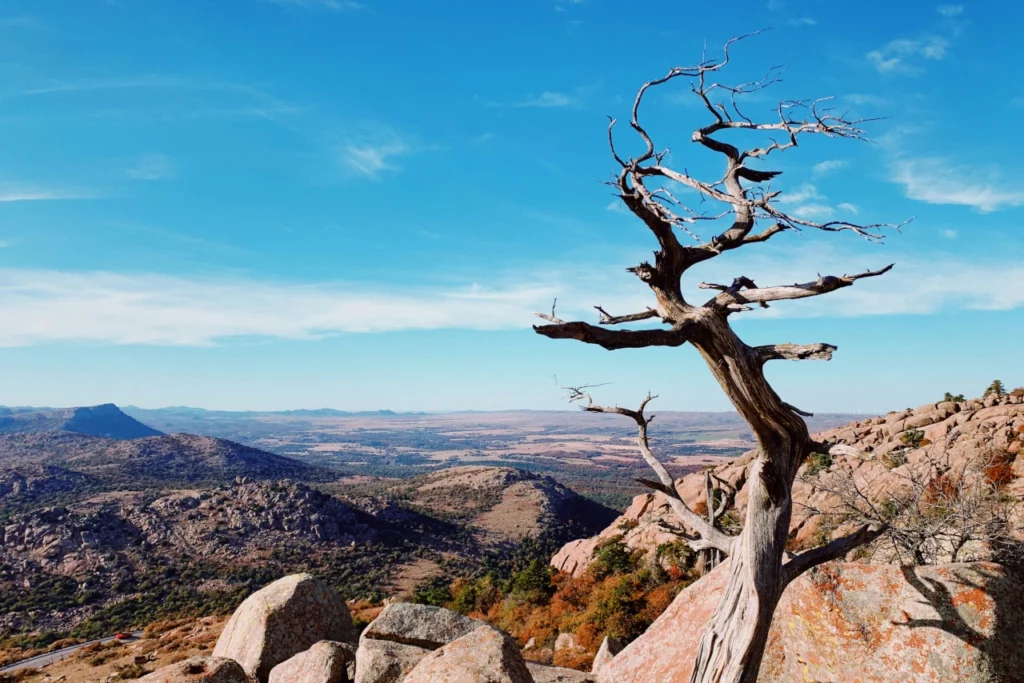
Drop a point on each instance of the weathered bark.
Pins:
(733, 644)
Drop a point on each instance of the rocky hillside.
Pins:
(506, 504)
(880, 454)
(105, 420)
(152, 461)
(115, 557)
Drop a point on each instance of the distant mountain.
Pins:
(157, 460)
(186, 411)
(105, 420)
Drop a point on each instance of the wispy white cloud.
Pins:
(865, 99)
(949, 233)
(373, 150)
(547, 100)
(939, 181)
(48, 306)
(152, 167)
(824, 167)
(814, 212)
(904, 55)
(332, 5)
(45, 306)
(250, 101)
(803, 193)
(950, 10)
(32, 193)
(803, 21)
(811, 204)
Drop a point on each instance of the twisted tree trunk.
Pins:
(731, 649)
(734, 642)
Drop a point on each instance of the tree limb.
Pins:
(609, 319)
(825, 553)
(710, 536)
(794, 352)
(616, 339)
(823, 285)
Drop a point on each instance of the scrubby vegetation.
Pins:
(620, 595)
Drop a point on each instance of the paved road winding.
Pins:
(39, 661)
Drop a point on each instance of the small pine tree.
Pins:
(954, 397)
(995, 389)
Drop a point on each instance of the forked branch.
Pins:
(710, 537)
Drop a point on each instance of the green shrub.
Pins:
(612, 557)
(816, 462)
(912, 438)
(894, 459)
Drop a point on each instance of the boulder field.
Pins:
(298, 630)
(839, 622)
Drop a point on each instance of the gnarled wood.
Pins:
(731, 648)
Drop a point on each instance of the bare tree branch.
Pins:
(744, 294)
(795, 352)
(710, 536)
(616, 339)
(826, 553)
(609, 319)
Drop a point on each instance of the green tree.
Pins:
(995, 389)
(953, 397)
(612, 557)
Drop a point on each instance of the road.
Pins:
(39, 661)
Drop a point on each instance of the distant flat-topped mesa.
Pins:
(105, 420)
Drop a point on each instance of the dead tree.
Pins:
(709, 555)
(733, 644)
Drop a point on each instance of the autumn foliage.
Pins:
(620, 595)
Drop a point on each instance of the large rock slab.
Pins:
(955, 623)
(609, 648)
(420, 625)
(484, 656)
(382, 661)
(555, 674)
(199, 670)
(280, 621)
(326, 662)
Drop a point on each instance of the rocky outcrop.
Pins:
(326, 662)
(281, 620)
(382, 661)
(231, 522)
(556, 674)
(958, 431)
(420, 625)
(402, 635)
(483, 656)
(856, 622)
(199, 670)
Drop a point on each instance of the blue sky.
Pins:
(304, 203)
